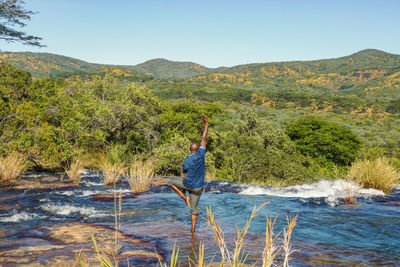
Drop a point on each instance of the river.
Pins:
(328, 232)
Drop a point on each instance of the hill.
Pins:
(42, 65)
(46, 64)
(163, 68)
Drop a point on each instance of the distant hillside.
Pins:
(42, 65)
(369, 68)
(163, 68)
(367, 71)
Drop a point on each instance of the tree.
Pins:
(13, 14)
(324, 141)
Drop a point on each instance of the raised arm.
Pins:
(204, 139)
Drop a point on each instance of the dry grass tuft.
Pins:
(112, 171)
(11, 166)
(378, 174)
(237, 257)
(351, 196)
(140, 174)
(75, 169)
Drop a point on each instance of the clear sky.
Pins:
(211, 32)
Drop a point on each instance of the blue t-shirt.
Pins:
(195, 168)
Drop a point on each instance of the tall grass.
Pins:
(287, 236)
(11, 166)
(117, 219)
(112, 171)
(378, 173)
(271, 249)
(140, 174)
(237, 256)
(102, 257)
(74, 170)
(174, 258)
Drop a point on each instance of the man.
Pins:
(194, 169)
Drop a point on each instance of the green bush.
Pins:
(169, 156)
(258, 152)
(325, 141)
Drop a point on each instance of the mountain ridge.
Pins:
(48, 64)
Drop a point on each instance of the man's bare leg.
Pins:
(194, 222)
(181, 194)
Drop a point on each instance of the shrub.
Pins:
(169, 157)
(11, 166)
(258, 153)
(325, 141)
(378, 174)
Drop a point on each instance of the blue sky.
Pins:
(211, 33)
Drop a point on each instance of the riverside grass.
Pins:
(377, 173)
(237, 257)
(140, 174)
(11, 166)
(112, 171)
(74, 170)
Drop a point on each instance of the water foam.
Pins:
(333, 191)
(86, 193)
(88, 212)
(20, 216)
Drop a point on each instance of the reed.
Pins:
(174, 258)
(11, 166)
(237, 257)
(287, 235)
(74, 170)
(112, 171)
(102, 257)
(117, 220)
(378, 173)
(271, 249)
(140, 175)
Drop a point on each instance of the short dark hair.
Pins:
(194, 147)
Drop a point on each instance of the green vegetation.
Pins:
(325, 141)
(378, 174)
(272, 124)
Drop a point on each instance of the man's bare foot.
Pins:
(186, 200)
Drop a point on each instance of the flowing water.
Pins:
(328, 232)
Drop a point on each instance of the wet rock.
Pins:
(45, 183)
(110, 197)
(61, 244)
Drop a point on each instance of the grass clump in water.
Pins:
(377, 173)
(140, 174)
(74, 170)
(11, 166)
(112, 171)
